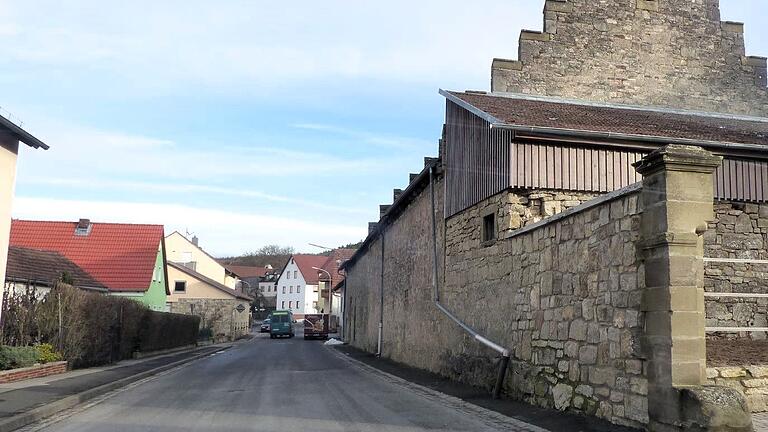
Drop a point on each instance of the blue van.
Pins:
(281, 324)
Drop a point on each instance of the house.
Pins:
(128, 259)
(222, 309)
(10, 136)
(187, 252)
(42, 270)
(331, 266)
(592, 219)
(298, 285)
(259, 283)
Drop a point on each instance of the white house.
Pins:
(188, 253)
(297, 286)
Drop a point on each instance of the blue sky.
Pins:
(246, 122)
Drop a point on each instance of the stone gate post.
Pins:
(677, 201)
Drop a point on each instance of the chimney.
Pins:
(412, 177)
(429, 161)
(396, 194)
(372, 227)
(194, 240)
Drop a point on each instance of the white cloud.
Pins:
(221, 232)
(178, 189)
(402, 143)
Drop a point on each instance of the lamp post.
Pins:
(330, 295)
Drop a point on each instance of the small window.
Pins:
(282, 304)
(290, 289)
(489, 228)
(314, 304)
(283, 290)
(180, 286)
(295, 274)
(298, 289)
(288, 275)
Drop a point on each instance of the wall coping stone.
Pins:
(611, 196)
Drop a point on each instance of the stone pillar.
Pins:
(677, 201)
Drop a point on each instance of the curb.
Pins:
(68, 402)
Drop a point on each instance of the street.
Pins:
(275, 385)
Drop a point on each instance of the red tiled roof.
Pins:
(545, 112)
(247, 271)
(120, 256)
(335, 259)
(305, 264)
(45, 268)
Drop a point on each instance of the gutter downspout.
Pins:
(494, 346)
(381, 300)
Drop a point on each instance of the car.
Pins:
(265, 326)
(281, 324)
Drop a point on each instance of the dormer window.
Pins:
(83, 227)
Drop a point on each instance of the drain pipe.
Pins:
(381, 299)
(504, 364)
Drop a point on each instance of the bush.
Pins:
(46, 353)
(95, 329)
(17, 357)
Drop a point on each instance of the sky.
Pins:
(246, 123)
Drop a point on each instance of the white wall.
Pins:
(264, 286)
(9, 148)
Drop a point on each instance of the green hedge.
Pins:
(95, 329)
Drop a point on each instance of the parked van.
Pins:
(281, 324)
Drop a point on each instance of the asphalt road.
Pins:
(275, 385)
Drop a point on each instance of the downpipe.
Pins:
(504, 363)
(381, 301)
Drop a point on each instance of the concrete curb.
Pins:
(68, 402)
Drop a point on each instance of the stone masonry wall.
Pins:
(670, 53)
(740, 231)
(750, 380)
(564, 297)
(218, 314)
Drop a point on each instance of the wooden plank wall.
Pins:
(476, 159)
(481, 161)
(572, 168)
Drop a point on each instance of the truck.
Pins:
(316, 326)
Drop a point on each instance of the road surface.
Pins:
(276, 385)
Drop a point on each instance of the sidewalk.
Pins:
(543, 418)
(25, 402)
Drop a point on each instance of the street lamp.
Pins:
(330, 295)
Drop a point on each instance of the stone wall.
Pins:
(740, 233)
(219, 314)
(564, 297)
(751, 380)
(568, 293)
(671, 53)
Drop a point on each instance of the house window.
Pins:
(283, 289)
(156, 274)
(295, 274)
(489, 228)
(282, 304)
(298, 289)
(314, 304)
(288, 275)
(290, 289)
(180, 286)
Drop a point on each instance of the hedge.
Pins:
(95, 329)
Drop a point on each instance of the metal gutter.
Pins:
(522, 129)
